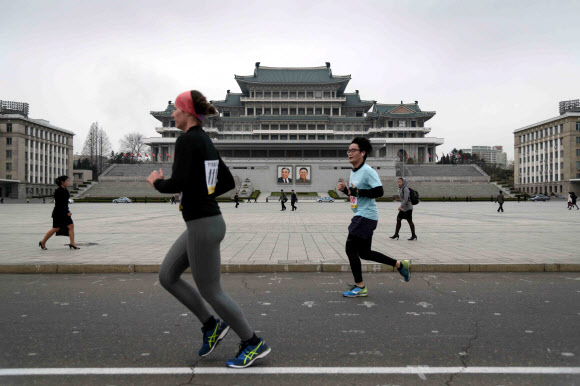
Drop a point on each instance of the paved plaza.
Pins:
(543, 235)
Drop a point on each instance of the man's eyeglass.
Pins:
(351, 151)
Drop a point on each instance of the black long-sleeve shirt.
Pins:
(61, 196)
(194, 174)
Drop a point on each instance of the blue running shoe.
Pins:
(405, 269)
(356, 291)
(249, 354)
(213, 337)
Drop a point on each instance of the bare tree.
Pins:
(133, 143)
(97, 145)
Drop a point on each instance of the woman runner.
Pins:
(195, 175)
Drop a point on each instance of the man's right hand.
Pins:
(341, 185)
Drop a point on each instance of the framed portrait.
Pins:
(284, 175)
(303, 175)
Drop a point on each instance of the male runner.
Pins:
(364, 187)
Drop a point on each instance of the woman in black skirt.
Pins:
(61, 216)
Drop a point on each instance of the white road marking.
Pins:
(288, 370)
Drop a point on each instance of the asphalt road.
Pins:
(420, 332)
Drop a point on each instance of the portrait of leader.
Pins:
(302, 175)
(284, 173)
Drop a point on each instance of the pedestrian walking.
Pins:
(283, 199)
(2, 200)
(237, 200)
(518, 196)
(61, 215)
(27, 200)
(569, 200)
(500, 201)
(195, 174)
(172, 199)
(574, 200)
(363, 188)
(44, 200)
(405, 210)
(293, 200)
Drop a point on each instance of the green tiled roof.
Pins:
(415, 110)
(164, 114)
(292, 75)
(353, 100)
(232, 100)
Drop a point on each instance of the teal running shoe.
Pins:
(405, 269)
(248, 354)
(213, 337)
(356, 291)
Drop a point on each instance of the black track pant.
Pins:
(500, 207)
(357, 249)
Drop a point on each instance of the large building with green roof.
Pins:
(304, 116)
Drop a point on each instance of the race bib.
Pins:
(211, 171)
(353, 202)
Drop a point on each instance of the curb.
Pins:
(271, 268)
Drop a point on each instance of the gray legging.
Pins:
(198, 247)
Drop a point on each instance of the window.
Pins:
(8, 153)
(578, 165)
(251, 111)
(283, 137)
(274, 136)
(318, 111)
(309, 111)
(310, 95)
(335, 111)
(318, 94)
(327, 111)
(390, 123)
(301, 111)
(577, 152)
(9, 127)
(577, 126)
(577, 139)
(359, 113)
(9, 141)
(285, 111)
(8, 166)
(8, 176)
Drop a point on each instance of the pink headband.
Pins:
(185, 102)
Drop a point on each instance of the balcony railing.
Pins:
(277, 99)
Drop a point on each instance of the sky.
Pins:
(486, 68)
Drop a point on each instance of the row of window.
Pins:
(541, 133)
(292, 94)
(540, 157)
(540, 168)
(251, 111)
(532, 180)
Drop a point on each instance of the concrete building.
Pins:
(32, 153)
(303, 118)
(547, 153)
(491, 154)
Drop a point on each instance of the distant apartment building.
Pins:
(547, 153)
(32, 153)
(490, 154)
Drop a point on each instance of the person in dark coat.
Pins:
(574, 198)
(293, 200)
(61, 215)
(283, 199)
(500, 201)
(237, 200)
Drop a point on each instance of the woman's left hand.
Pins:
(69, 214)
(154, 176)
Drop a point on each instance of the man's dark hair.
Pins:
(285, 169)
(364, 145)
(302, 169)
(401, 178)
